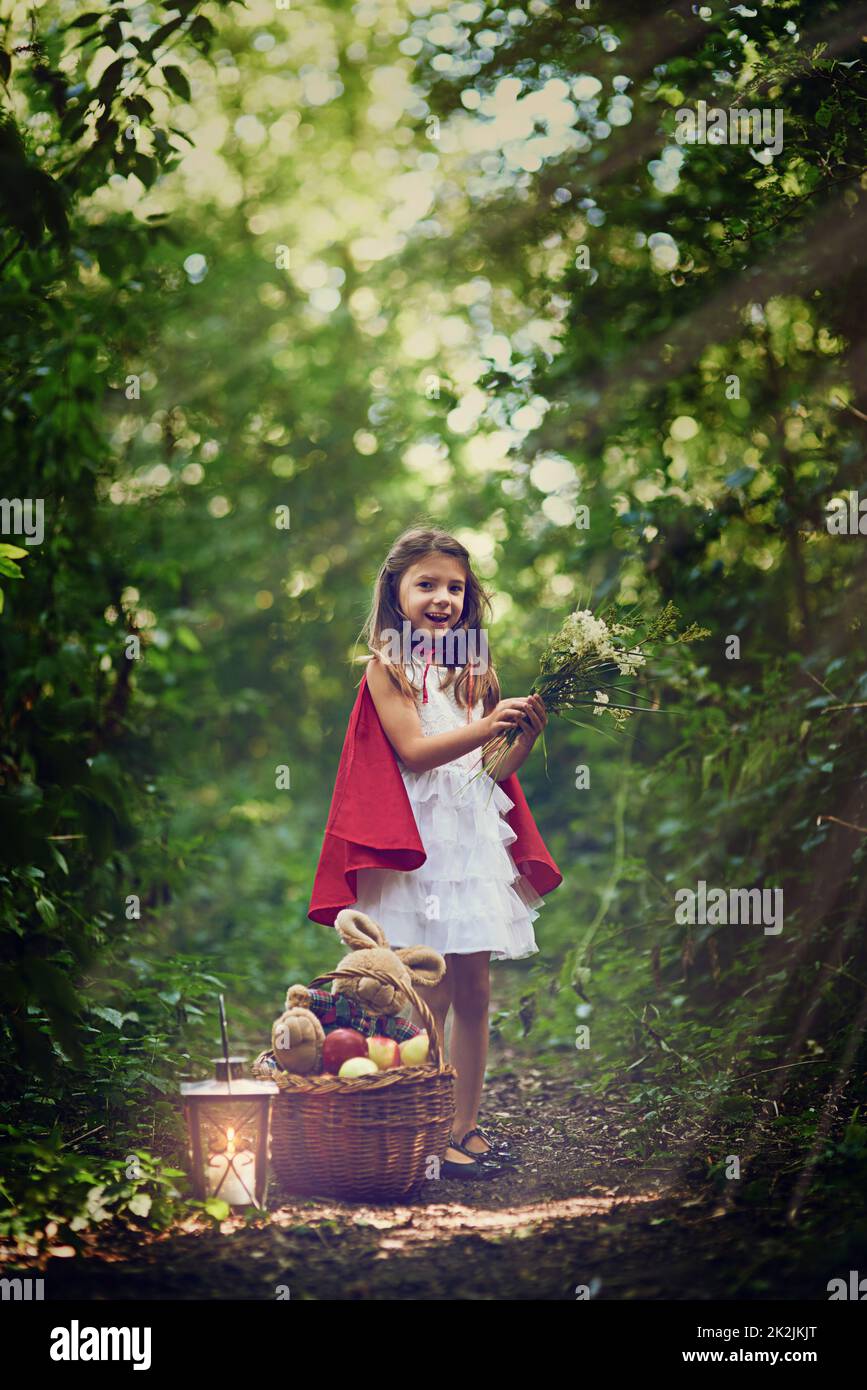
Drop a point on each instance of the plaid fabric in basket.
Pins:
(336, 1011)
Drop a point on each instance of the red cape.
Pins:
(371, 824)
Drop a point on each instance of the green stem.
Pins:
(580, 724)
(575, 959)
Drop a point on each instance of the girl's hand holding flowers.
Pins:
(505, 717)
(533, 721)
(526, 717)
(513, 727)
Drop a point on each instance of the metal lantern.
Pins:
(228, 1128)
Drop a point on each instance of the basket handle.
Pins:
(418, 1003)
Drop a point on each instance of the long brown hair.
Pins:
(385, 613)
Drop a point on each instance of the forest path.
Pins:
(579, 1209)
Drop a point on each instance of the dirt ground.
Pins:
(577, 1210)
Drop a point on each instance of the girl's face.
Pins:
(431, 592)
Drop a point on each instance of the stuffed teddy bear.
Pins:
(296, 1040)
(298, 1035)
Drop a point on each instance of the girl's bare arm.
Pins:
(399, 718)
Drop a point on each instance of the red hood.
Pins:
(371, 824)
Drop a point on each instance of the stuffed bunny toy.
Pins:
(298, 1035)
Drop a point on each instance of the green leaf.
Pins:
(188, 639)
(5, 65)
(10, 569)
(60, 859)
(47, 911)
(84, 20)
(159, 1083)
(14, 552)
(165, 31)
(176, 79)
(110, 79)
(95, 1209)
(138, 106)
(201, 31)
(112, 1016)
(72, 125)
(112, 35)
(216, 1207)
(145, 169)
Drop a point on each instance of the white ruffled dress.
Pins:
(468, 895)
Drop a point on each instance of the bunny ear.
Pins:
(358, 931)
(427, 966)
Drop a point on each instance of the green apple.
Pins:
(414, 1051)
(358, 1066)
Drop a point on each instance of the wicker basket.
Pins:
(366, 1138)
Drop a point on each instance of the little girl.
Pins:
(410, 839)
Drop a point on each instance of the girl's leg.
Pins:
(470, 998)
(438, 999)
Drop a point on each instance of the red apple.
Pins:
(339, 1046)
(384, 1051)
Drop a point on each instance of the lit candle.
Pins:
(231, 1175)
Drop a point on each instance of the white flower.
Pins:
(600, 701)
(582, 633)
(629, 662)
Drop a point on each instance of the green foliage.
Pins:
(71, 1194)
(83, 821)
(433, 346)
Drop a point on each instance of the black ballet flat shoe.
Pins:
(471, 1172)
(494, 1156)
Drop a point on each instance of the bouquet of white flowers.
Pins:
(580, 665)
